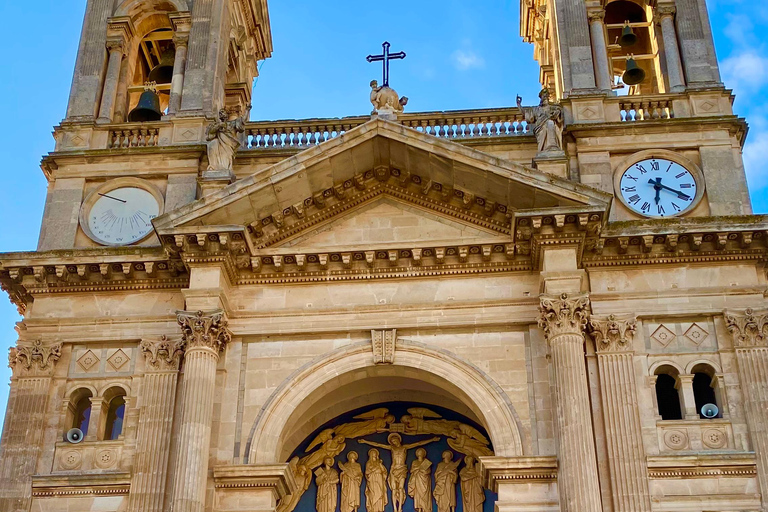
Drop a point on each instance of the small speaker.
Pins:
(74, 436)
(709, 411)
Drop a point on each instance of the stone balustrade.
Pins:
(645, 108)
(133, 135)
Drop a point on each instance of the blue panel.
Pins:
(434, 451)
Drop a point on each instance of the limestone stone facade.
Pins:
(430, 257)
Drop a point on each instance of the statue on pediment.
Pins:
(384, 99)
(547, 123)
(222, 140)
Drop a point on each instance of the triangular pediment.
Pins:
(388, 222)
(320, 195)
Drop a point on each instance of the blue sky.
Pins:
(460, 55)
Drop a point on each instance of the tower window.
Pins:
(81, 410)
(115, 415)
(703, 392)
(667, 397)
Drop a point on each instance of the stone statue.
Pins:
(420, 482)
(399, 470)
(222, 140)
(445, 483)
(330, 448)
(351, 479)
(384, 99)
(375, 483)
(374, 421)
(464, 440)
(472, 492)
(327, 480)
(547, 123)
(303, 477)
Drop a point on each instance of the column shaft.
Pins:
(110, 83)
(753, 371)
(177, 83)
(154, 439)
(603, 72)
(672, 51)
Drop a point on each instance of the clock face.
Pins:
(657, 187)
(122, 216)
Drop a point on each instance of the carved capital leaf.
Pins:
(204, 330)
(563, 314)
(748, 328)
(163, 354)
(612, 333)
(33, 359)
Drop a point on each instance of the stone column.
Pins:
(666, 17)
(750, 339)
(107, 108)
(563, 319)
(603, 71)
(32, 365)
(205, 335)
(153, 443)
(177, 83)
(626, 455)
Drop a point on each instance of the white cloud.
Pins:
(745, 72)
(467, 59)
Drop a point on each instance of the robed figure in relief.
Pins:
(327, 480)
(375, 483)
(222, 140)
(547, 122)
(445, 483)
(420, 482)
(472, 492)
(351, 479)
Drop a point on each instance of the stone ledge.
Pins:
(518, 470)
(276, 477)
(716, 465)
(100, 484)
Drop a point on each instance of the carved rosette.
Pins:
(163, 354)
(563, 314)
(33, 359)
(204, 330)
(749, 329)
(612, 333)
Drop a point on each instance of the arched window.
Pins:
(704, 391)
(667, 395)
(114, 406)
(80, 409)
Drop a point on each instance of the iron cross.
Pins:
(385, 57)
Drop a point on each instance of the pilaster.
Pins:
(148, 481)
(749, 329)
(205, 335)
(613, 336)
(32, 365)
(563, 319)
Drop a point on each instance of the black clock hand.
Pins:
(658, 192)
(657, 185)
(110, 197)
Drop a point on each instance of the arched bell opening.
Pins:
(633, 47)
(348, 379)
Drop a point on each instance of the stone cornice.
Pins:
(612, 333)
(523, 470)
(276, 477)
(101, 484)
(676, 467)
(749, 328)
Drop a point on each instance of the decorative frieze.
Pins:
(612, 333)
(204, 330)
(33, 359)
(563, 315)
(163, 354)
(749, 329)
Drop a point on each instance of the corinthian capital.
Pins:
(33, 359)
(749, 329)
(612, 333)
(204, 330)
(163, 354)
(563, 314)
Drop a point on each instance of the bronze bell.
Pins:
(148, 108)
(628, 37)
(634, 73)
(163, 72)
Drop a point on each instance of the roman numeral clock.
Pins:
(659, 186)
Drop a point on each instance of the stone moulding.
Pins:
(738, 465)
(521, 470)
(102, 484)
(277, 477)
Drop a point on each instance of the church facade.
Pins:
(553, 307)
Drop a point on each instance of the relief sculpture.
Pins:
(418, 485)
